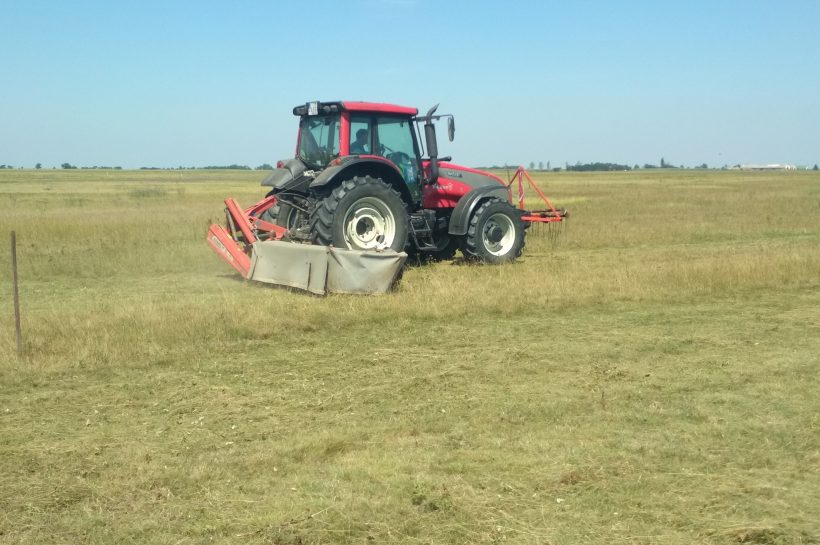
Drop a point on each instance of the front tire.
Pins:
(362, 213)
(495, 234)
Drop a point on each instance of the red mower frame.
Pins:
(549, 215)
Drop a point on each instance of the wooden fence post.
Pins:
(17, 328)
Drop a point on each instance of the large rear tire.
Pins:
(495, 233)
(362, 213)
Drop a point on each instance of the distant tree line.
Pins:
(596, 166)
(590, 167)
(227, 167)
(264, 166)
(579, 167)
(69, 166)
(664, 164)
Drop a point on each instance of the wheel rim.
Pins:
(498, 234)
(369, 225)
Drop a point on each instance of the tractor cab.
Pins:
(331, 131)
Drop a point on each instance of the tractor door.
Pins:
(395, 140)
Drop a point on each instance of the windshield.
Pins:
(318, 140)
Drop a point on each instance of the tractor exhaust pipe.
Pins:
(432, 144)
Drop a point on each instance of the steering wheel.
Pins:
(399, 157)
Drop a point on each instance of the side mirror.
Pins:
(451, 128)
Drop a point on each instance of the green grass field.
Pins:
(650, 375)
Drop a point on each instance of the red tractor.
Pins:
(360, 180)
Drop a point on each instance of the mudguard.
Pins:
(371, 165)
(291, 171)
(290, 178)
(460, 218)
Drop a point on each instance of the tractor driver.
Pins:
(360, 145)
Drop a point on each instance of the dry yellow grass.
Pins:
(648, 376)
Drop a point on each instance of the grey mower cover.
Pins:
(324, 269)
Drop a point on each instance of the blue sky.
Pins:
(200, 83)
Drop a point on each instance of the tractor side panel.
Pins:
(445, 193)
(454, 182)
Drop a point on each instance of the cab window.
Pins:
(319, 140)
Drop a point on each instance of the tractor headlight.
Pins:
(313, 108)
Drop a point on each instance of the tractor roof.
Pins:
(380, 107)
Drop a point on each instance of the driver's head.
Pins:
(361, 136)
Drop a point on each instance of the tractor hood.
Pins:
(451, 172)
(455, 182)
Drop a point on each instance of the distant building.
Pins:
(773, 166)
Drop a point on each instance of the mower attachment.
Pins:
(323, 269)
(255, 249)
(242, 226)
